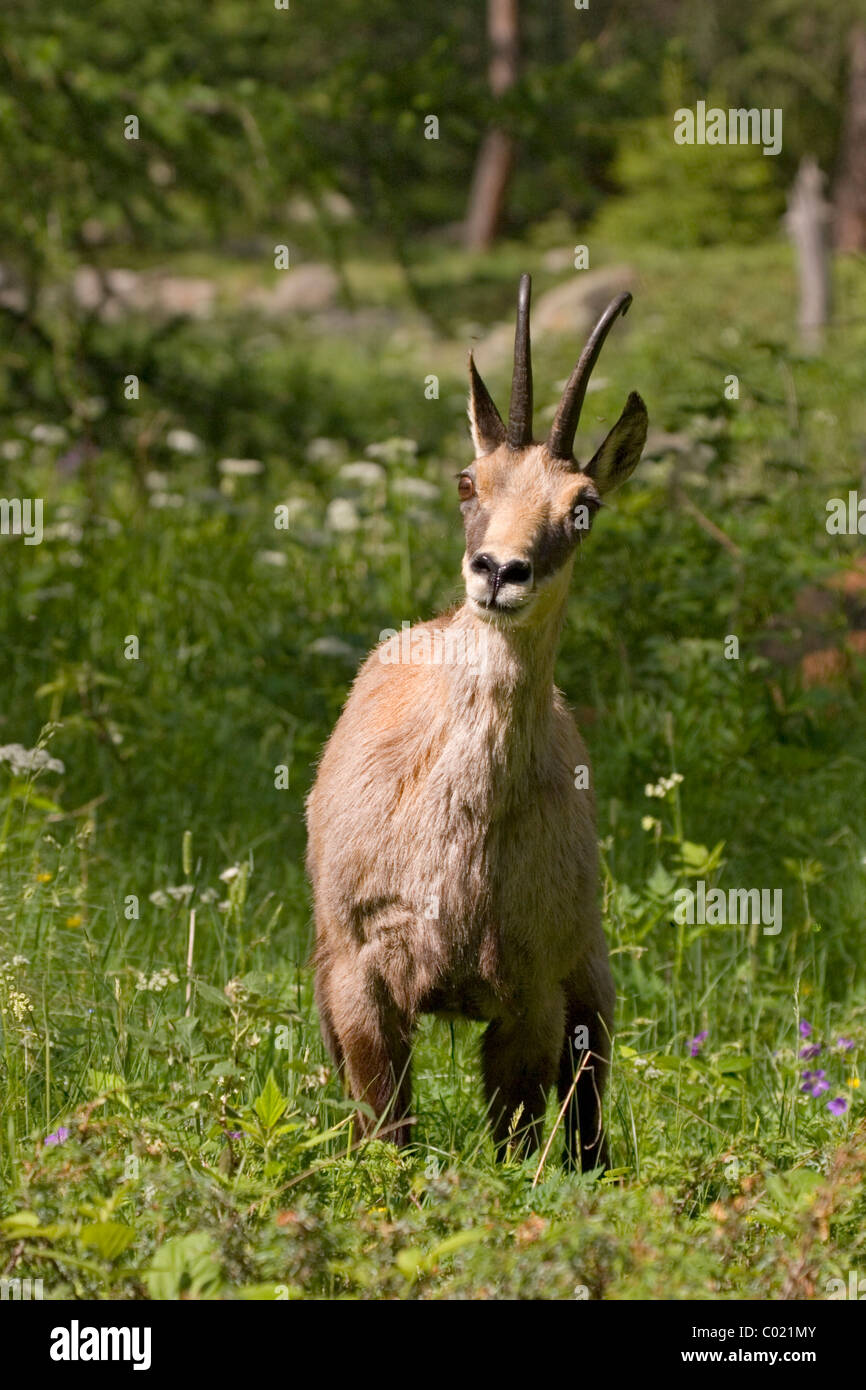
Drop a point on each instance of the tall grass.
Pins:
(170, 1124)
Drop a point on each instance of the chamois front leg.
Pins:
(374, 1039)
(586, 1055)
(322, 994)
(520, 1055)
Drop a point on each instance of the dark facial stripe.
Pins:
(475, 519)
(552, 548)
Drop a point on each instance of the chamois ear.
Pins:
(485, 422)
(620, 452)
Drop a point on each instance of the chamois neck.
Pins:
(516, 660)
(506, 692)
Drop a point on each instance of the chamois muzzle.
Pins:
(501, 576)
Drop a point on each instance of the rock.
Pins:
(572, 307)
(307, 289)
(576, 304)
(187, 295)
(558, 259)
(113, 294)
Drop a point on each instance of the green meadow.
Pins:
(173, 662)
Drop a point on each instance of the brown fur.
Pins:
(451, 786)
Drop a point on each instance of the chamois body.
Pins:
(452, 847)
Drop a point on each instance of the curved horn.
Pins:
(485, 422)
(561, 439)
(520, 410)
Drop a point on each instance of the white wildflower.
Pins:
(325, 451)
(157, 982)
(363, 473)
(663, 786)
(164, 500)
(392, 450)
(296, 509)
(64, 531)
(181, 893)
(48, 434)
(342, 515)
(22, 760)
(183, 441)
(417, 488)
(240, 468)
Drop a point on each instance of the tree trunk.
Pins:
(850, 192)
(496, 155)
(809, 217)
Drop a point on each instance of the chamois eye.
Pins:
(465, 487)
(586, 504)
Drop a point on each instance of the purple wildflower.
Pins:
(815, 1083)
(697, 1042)
(805, 1028)
(58, 1136)
(837, 1106)
(844, 1044)
(810, 1050)
(235, 1134)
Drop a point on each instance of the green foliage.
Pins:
(689, 195)
(166, 1135)
(169, 1124)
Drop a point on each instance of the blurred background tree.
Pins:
(258, 125)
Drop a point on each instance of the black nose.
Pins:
(511, 572)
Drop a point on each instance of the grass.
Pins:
(168, 1132)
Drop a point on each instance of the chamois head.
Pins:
(526, 505)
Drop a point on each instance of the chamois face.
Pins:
(524, 515)
(526, 506)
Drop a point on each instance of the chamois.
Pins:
(451, 830)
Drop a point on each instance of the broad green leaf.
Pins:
(660, 883)
(271, 1103)
(21, 1221)
(728, 1064)
(667, 1063)
(185, 1267)
(109, 1238)
(108, 1083)
(456, 1242)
